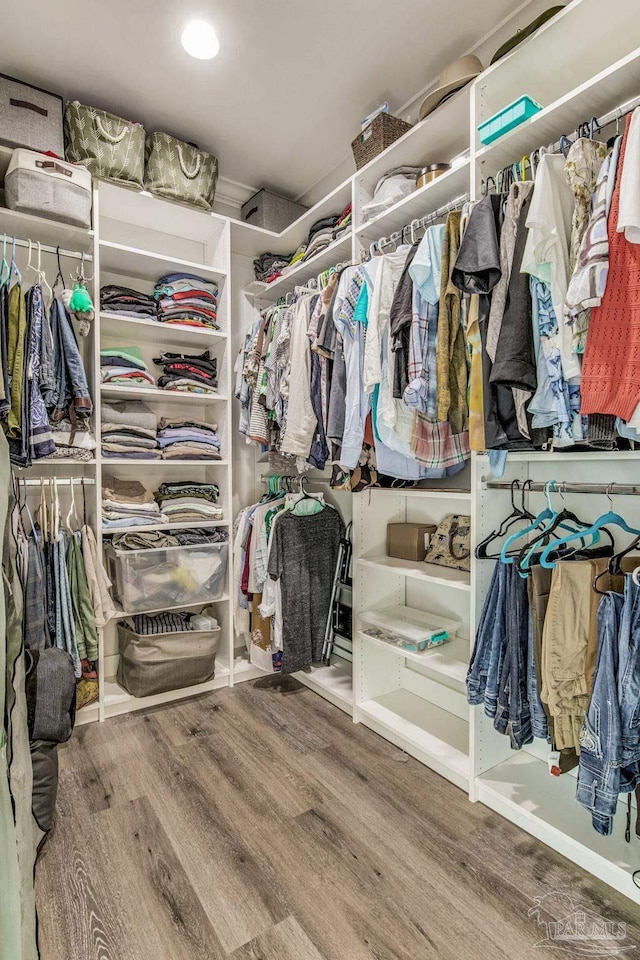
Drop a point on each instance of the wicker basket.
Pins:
(383, 130)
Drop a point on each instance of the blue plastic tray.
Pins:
(509, 117)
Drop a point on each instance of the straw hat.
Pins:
(457, 75)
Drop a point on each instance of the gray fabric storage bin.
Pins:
(30, 117)
(165, 661)
(48, 188)
(270, 211)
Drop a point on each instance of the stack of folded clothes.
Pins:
(190, 373)
(125, 302)
(155, 539)
(185, 501)
(188, 300)
(268, 266)
(126, 503)
(129, 431)
(124, 366)
(187, 439)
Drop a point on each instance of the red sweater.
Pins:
(611, 367)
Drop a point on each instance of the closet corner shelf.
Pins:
(419, 570)
(421, 202)
(168, 527)
(521, 790)
(432, 735)
(244, 670)
(334, 683)
(152, 331)
(118, 701)
(337, 251)
(117, 392)
(26, 226)
(144, 265)
(448, 664)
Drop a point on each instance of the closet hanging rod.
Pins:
(293, 476)
(559, 486)
(62, 482)
(45, 248)
(423, 221)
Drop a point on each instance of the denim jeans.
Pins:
(513, 714)
(601, 736)
(485, 667)
(69, 373)
(629, 679)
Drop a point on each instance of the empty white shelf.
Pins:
(117, 700)
(135, 262)
(334, 683)
(152, 331)
(419, 570)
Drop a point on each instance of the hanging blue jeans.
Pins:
(513, 713)
(485, 668)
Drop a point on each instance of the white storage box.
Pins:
(49, 188)
(408, 628)
(167, 577)
(30, 117)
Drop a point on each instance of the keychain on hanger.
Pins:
(80, 302)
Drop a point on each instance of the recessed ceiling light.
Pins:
(199, 40)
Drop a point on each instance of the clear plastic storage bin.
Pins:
(155, 579)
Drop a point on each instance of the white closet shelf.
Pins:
(151, 331)
(182, 525)
(140, 208)
(337, 251)
(115, 391)
(430, 734)
(541, 456)
(182, 464)
(135, 262)
(88, 714)
(334, 683)
(596, 96)
(522, 790)
(27, 227)
(117, 700)
(421, 493)
(252, 241)
(446, 187)
(447, 664)
(123, 614)
(244, 670)
(419, 570)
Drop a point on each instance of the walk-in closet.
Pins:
(320, 510)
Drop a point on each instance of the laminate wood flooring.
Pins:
(260, 823)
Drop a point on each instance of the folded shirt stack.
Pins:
(124, 366)
(268, 266)
(125, 302)
(129, 431)
(188, 439)
(188, 373)
(126, 503)
(154, 539)
(188, 300)
(185, 501)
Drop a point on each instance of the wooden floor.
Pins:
(260, 823)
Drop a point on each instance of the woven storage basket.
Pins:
(380, 134)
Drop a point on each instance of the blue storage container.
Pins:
(509, 117)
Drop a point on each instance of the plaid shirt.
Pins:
(432, 441)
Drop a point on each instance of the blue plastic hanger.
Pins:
(547, 516)
(607, 519)
(4, 265)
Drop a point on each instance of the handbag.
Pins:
(108, 146)
(450, 545)
(179, 171)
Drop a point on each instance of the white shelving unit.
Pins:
(418, 701)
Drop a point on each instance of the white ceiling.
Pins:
(283, 99)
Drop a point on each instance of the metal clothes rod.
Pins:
(610, 489)
(63, 482)
(424, 221)
(293, 476)
(45, 248)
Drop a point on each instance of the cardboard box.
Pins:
(409, 541)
